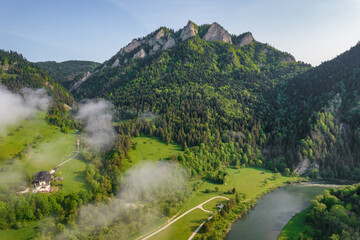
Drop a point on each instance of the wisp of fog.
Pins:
(146, 183)
(17, 106)
(96, 116)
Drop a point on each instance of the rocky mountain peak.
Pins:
(190, 30)
(161, 40)
(217, 33)
(247, 39)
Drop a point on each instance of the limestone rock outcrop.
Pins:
(247, 39)
(140, 54)
(158, 38)
(132, 46)
(78, 83)
(116, 63)
(169, 43)
(189, 31)
(288, 59)
(162, 40)
(217, 33)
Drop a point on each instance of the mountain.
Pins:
(17, 73)
(210, 91)
(69, 71)
(319, 117)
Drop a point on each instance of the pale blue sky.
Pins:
(312, 30)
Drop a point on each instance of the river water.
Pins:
(273, 211)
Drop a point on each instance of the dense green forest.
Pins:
(234, 104)
(17, 73)
(335, 214)
(227, 103)
(66, 73)
(213, 98)
(318, 117)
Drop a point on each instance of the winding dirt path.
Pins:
(200, 206)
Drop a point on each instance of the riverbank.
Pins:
(220, 224)
(295, 227)
(324, 222)
(274, 210)
(245, 184)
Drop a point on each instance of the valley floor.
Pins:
(249, 181)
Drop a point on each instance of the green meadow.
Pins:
(252, 182)
(54, 147)
(28, 232)
(151, 149)
(33, 145)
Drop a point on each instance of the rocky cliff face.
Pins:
(169, 43)
(288, 59)
(116, 63)
(158, 38)
(163, 39)
(132, 46)
(140, 54)
(217, 33)
(190, 30)
(247, 39)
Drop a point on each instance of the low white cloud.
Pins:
(17, 106)
(97, 116)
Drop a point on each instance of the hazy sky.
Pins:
(312, 30)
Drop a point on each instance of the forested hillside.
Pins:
(238, 100)
(69, 71)
(209, 91)
(319, 117)
(17, 73)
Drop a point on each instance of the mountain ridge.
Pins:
(163, 39)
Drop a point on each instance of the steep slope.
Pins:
(17, 73)
(205, 91)
(319, 117)
(67, 72)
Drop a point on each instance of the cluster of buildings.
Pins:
(42, 181)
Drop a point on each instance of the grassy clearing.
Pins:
(43, 147)
(73, 173)
(295, 227)
(184, 227)
(51, 153)
(28, 232)
(151, 149)
(252, 182)
(249, 181)
(16, 138)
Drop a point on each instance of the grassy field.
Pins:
(151, 149)
(184, 227)
(42, 147)
(73, 173)
(296, 226)
(16, 138)
(28, 232)
(249, 181)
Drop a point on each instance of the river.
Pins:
(273, 211)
